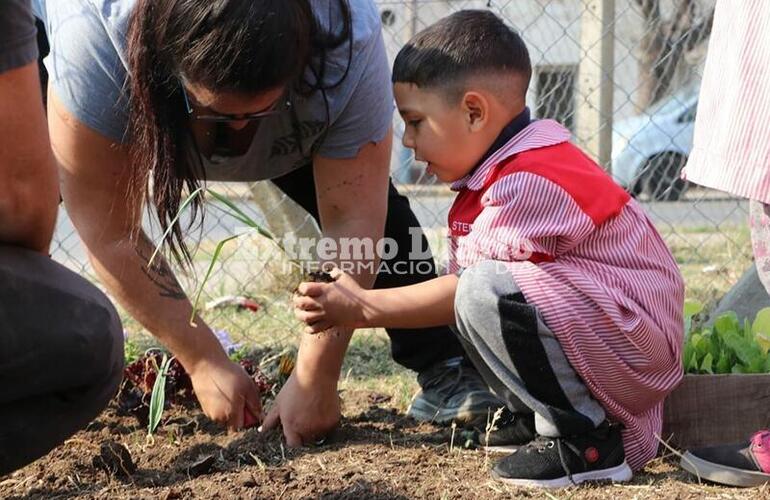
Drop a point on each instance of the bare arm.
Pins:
(423, 305)
(30, 196)
(105, 207)
(352, 201)
(345, 304)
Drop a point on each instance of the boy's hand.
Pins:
(325, 305)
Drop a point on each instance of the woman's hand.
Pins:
(321, 306)
(227, 394)
(308, 410)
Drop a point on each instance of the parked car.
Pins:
(650, 150)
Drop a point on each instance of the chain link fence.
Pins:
(623, 75)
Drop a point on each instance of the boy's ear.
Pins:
(476, 108)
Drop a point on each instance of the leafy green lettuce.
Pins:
(727, 345)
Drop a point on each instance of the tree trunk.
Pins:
(664, 45)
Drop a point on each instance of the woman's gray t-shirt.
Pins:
(18, 41)
(88, 71)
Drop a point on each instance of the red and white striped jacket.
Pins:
(586, 255)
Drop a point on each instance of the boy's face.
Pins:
(441, 134)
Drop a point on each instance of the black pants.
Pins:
(61, 355)
(414, 349)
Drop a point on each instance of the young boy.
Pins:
(560, 289)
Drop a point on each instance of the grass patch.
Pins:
(369, 366)
(712, 261)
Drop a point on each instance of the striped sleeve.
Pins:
(527, 217)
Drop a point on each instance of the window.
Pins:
(555, 89)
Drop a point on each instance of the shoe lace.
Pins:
(542, 443)
(562, 459)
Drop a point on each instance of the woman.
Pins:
(731, 152)
(295, 91)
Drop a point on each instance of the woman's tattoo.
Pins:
(162, 276)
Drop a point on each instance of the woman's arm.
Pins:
(105, 208)
(351, 171)
(352, 201)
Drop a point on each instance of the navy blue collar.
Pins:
(515, 126)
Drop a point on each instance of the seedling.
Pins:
(158, 398)
(231, 209)
(155, 378)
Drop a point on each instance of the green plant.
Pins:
(131, 350)
(239, 354)
(230, 209)
(158, 398)
(155, 377)
(726, 345)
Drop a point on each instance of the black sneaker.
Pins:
(744, 464)
(451, 391)
(561, 462)
(510, 430)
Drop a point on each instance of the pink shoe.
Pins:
(760, 450)
(736, 464)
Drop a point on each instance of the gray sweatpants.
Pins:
(518, 356)
(61, 355)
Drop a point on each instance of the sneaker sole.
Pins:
(616, 474)
(722, 474)
(505, 448)
(426, 412)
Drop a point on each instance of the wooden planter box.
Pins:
(707, 410)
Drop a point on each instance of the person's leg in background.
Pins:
(451, 389)
(61, 355)
(748, 463)
(523, 362)
(759, 222)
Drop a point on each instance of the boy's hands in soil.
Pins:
(321, 306)
(225, 392)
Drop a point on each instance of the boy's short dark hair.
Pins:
(466, 43)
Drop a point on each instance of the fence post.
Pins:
(595, 80)
(413, 25)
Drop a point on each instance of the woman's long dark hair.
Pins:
(239, 46)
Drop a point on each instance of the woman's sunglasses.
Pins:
(279, 106)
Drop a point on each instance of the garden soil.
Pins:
(377, 453)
